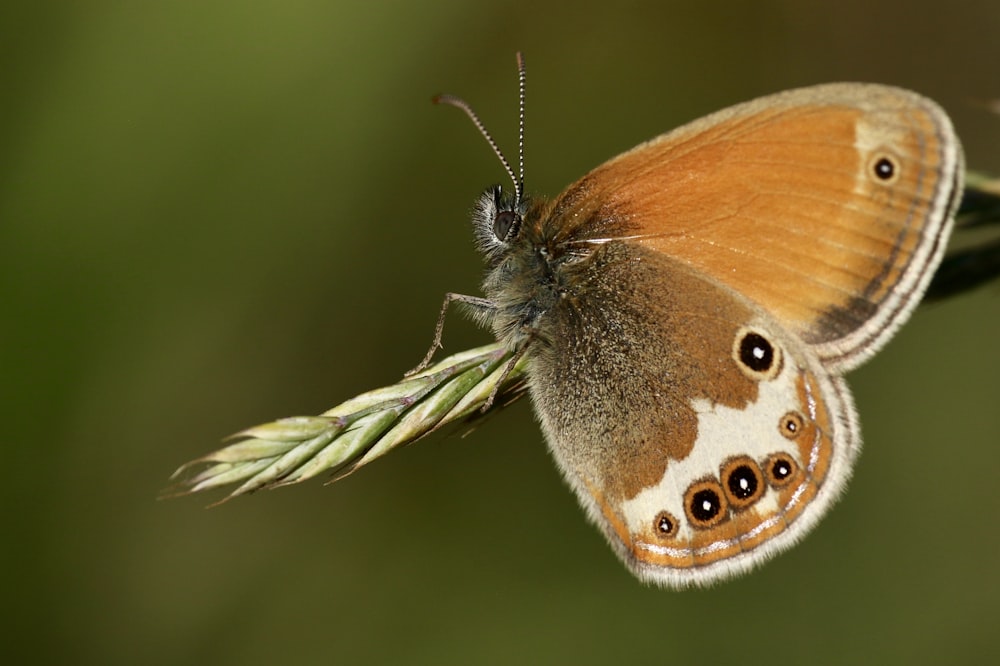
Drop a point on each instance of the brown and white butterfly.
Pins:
(688, 309)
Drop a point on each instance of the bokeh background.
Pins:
(214, 214)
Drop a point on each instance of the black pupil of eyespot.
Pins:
(503, 223)
(781, 469)
(884, 168)
(665, 524)
(705, 505)
(742, 482)
(756, 352)
(791, 425)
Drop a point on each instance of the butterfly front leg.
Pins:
(481, 307)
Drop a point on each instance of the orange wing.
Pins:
(828, 206)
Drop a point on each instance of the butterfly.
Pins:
(688, 310)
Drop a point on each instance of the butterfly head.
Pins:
(498, 218)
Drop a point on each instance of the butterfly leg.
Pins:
(507, 369)
(481, 305)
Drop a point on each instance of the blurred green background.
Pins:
(214, 214)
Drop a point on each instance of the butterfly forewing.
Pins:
(828, 206)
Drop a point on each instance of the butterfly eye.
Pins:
(743, 482)
(705, 504)
(757, 357)
(506, 224)
(780, 469)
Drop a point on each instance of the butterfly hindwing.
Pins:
(694, 429)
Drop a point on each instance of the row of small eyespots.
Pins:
(708, 502)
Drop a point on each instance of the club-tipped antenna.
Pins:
(460, 103)
(521, 79)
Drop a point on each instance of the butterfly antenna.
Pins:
(521, 78)
(464, 106)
